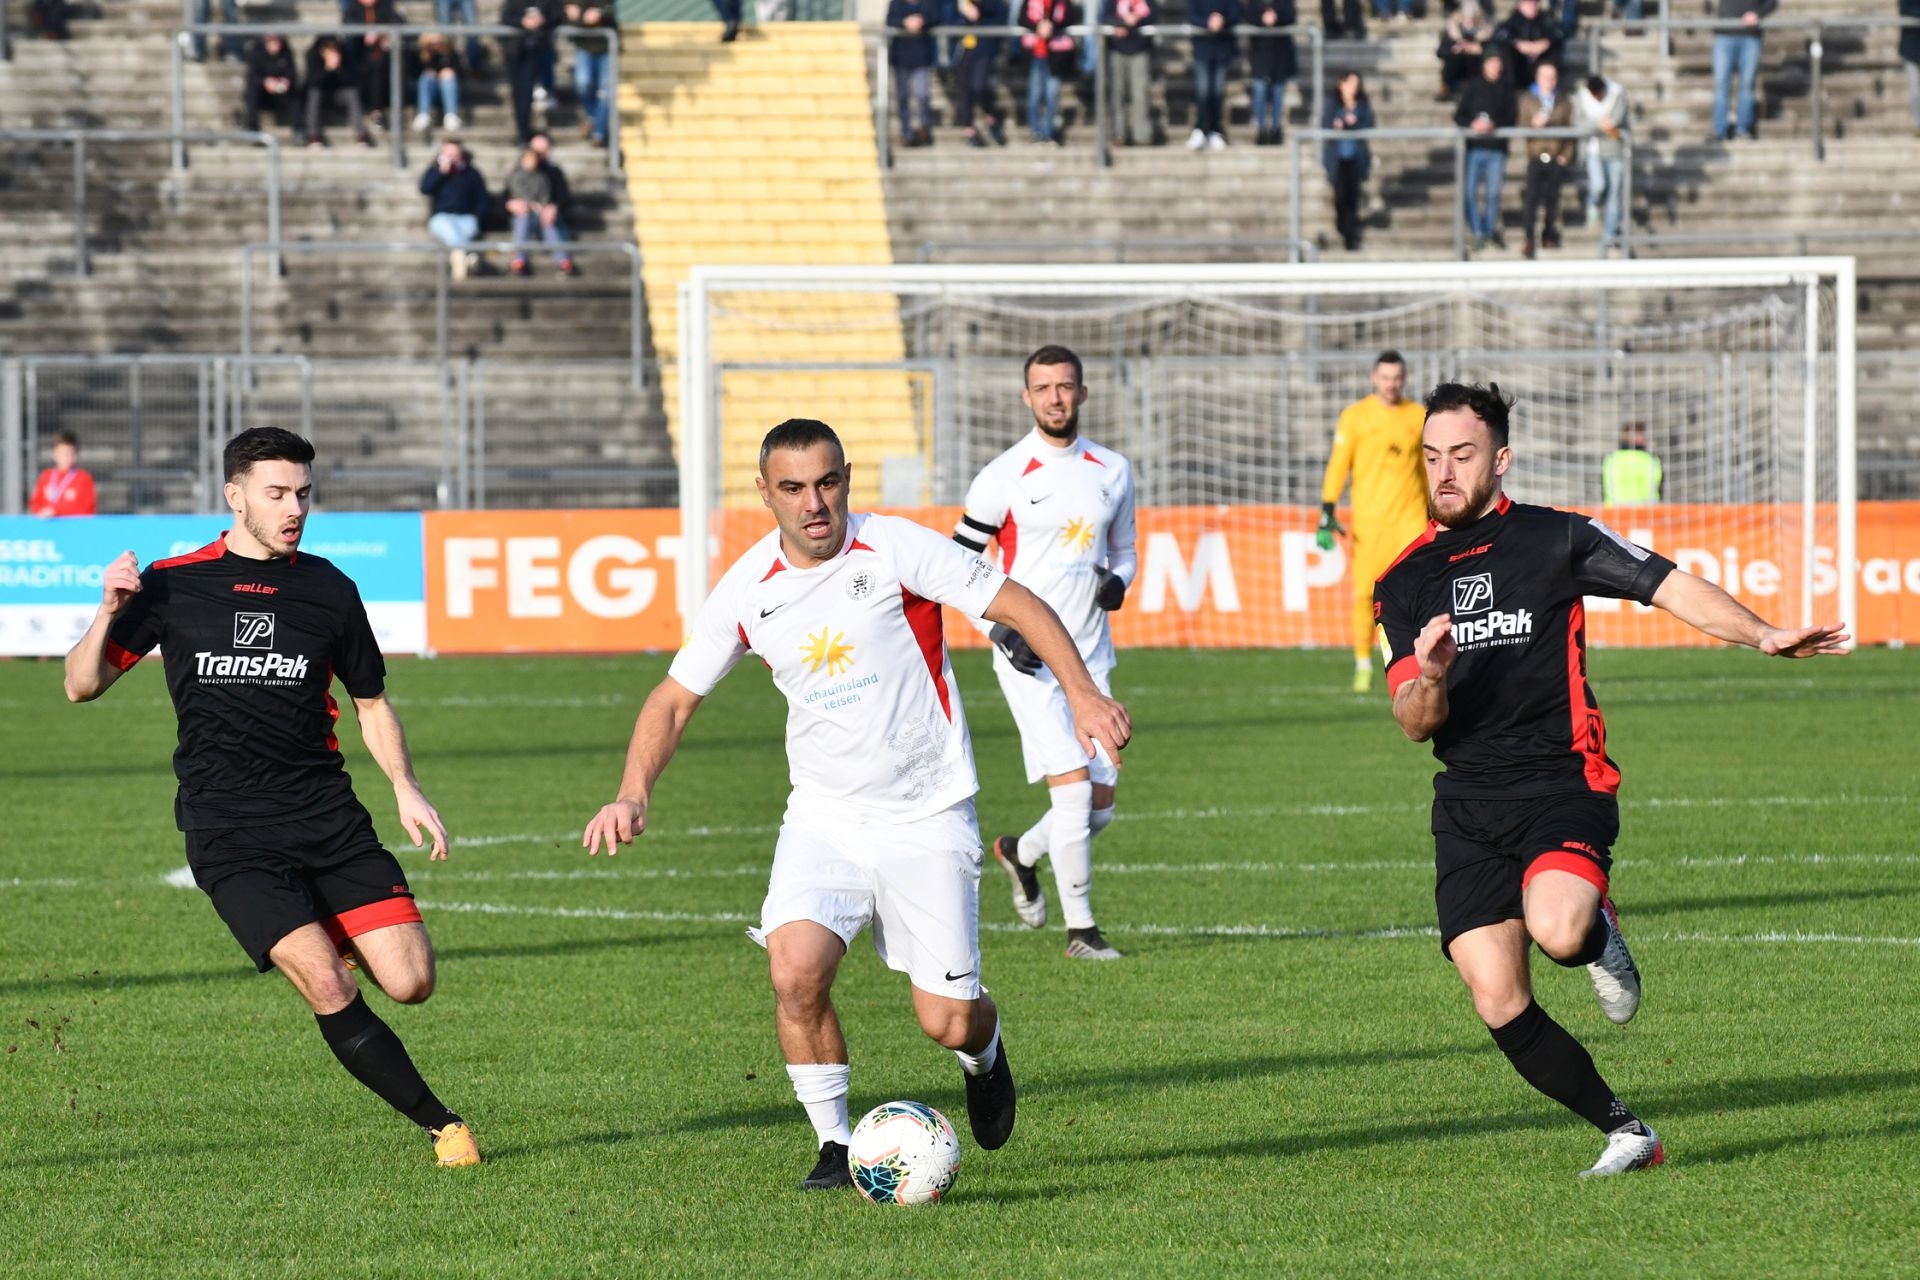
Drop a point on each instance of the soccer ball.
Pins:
(904, 1153)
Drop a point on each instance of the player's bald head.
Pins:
(801, 434)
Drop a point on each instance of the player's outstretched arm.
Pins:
(386, 741)
(656, 736)
(89, 674)
(1705, 607)
(1420, 705)
(1095, 716)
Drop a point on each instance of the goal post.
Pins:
(1222, 383)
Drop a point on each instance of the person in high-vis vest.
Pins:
(1631, 476)
(1377, 440)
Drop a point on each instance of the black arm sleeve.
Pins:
(139, 626)
(974, 535)
(1606, 564)
(1398, 628)
(362, 671)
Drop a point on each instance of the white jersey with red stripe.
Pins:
(874, 721)
(1058, 515)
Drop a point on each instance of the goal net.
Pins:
(1223, 384)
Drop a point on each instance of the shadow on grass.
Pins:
(1736, 901)
(603, 1138)
(143, 1154)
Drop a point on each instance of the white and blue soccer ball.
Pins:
(904, 1153)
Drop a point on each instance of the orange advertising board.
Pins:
(585, 581)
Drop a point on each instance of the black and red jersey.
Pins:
(251, 649)
(1522, 719)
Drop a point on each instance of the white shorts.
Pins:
(1047, 740)
(917, 883)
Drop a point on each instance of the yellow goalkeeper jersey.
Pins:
(1380, 446)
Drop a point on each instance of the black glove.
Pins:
(1109, 588)
(1323, 536)
(1014, 645)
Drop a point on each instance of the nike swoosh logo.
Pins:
(955, 977)
(765, 612)
(1038, 500)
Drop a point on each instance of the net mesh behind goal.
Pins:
(1223, 388)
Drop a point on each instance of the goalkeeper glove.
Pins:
(1323, 536)
(1014, 645)
(1109, 588)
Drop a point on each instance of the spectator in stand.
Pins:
(1631, 475)
(330, 77)
(465, 12)
(1545, 107)
(1347, 22)
(49, 19)
(1348, 160)
(593, 78)
(1910, 54)
(202, 15)
(1600, 106)
(1737, 50)
(1051, 57)
(1272, 62)
(1396, 10)
(1569, 18)
(1462, 44)
(729, 11)
(1528, 38)
(1485, 105)
(1130, 68)
(532, 201)
(63, 489)
(910, 54)
(527, 54)
(460, 200)
(542, 144)
(369, 53)
(1213, 53)
(437, 68)
(273, 82)
(974, 69)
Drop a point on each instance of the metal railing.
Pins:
(636, 321)
(79, 138)
(884, 37)
(396, 130)
(1797, 242)
(1117, 250)
(1458, 139)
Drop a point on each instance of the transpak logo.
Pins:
(253, 631)
(828, 649)
(1078, 534)
(1472, 594)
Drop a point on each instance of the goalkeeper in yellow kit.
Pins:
(1377, 440)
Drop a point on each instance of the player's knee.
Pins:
(412, 986)
(800, 990)
(1499, 1006)
(1560, 937)
(949, 1026)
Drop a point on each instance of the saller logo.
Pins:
(1472, 594)
(253, 631)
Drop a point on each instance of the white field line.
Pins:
(53, 882)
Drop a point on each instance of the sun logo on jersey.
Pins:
(1078, 535)
(828, 649)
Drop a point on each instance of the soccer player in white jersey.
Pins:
(1062, 510)
(879, 828)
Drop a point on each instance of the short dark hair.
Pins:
(798, 433)
(1389, 356)
(63, 436)
(264, 444)
(1052, 354)
(1489, 404)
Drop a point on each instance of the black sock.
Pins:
(1590, 947)
(1552, 1061)
(374, 1056)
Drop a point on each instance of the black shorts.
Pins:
(1484, 850)
(267, 881)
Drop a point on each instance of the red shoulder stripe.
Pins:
(212, 551)
(1432, 531)
(1033, 465)
(1088, 455)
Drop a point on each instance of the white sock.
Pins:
(1101, 817)
(1033, 842)
(822, 1089)
(978, 1064)
(1070, 837)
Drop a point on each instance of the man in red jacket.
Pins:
(63, 489)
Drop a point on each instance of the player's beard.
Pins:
(267, 534)
(1063, 433)
(1472, 507)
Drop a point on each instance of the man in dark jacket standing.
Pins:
(272, 81)
(1213, 53)
(974, 69)
(594, 80)
(527, 53)
(1272, 61)
(1545, 107)
(1910, 54)
(910, 55)
(1737, 50)
(1528, 37)
(1485, 105)
(1130, 68)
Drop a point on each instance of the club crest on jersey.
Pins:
(828, 649)
(253, 631)
(860, 586)
(1472, 594)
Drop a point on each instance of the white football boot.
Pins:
(1615, 979)
(1627, 1151)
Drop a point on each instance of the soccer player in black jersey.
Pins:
(1485, 634)
(253, 634)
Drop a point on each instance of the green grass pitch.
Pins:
(1282, 1078)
